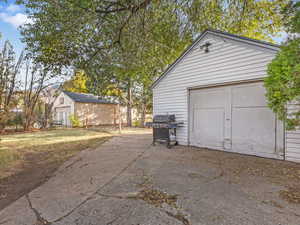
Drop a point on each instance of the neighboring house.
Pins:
(216, 89)
(88, 108)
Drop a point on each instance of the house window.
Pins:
(61, 100)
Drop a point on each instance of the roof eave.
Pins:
(95, 102)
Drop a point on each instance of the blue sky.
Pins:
(12, 16)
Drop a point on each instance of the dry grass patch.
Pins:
(49, 145)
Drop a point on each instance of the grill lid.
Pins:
(164, 118)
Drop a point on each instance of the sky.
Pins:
(12, 16)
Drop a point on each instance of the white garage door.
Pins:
(235, 118)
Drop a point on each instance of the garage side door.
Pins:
(235, 118)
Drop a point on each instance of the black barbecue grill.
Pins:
(164, 129)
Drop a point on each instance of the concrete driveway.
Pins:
(127, 181)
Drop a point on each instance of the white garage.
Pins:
(235, 118)
(216, 89)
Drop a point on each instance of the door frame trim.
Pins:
(220, 84)
(225, 84)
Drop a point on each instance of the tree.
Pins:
(257, 19)
(283, 81)
(57, 42)
(16, 120)
(48, 96)
(292, 16)
(9, 69)
(37, 79)
(78, 83)
(104, 24)
(124, 45)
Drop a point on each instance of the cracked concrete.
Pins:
(39, 218)
(100, 187)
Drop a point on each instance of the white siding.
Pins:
(293, 139)
(227, 61)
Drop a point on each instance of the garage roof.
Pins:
(87, 98)
(263, 44)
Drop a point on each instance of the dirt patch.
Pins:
(32, 174)
(292, 195)
(20, 131)
(35, 168)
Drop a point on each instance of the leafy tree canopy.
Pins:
(73, 32)
(292, 16)
(124, 45)
(78, 83)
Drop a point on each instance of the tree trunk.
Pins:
(120, 119)
(2, 128)
(27, 124)
(28, 120)
(143, 118)
(129, 105)
(46, 116)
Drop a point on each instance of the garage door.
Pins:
(235, 118)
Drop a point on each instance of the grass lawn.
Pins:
(56, 144)
(28, 159)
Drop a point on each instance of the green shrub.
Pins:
(283, 83)
(136, 123)
(75, 121)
